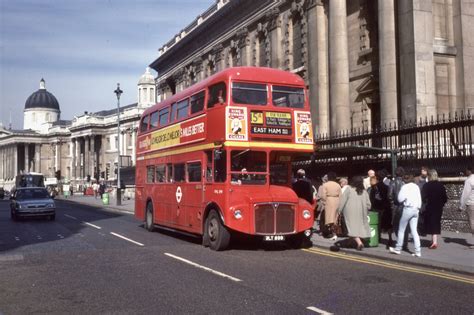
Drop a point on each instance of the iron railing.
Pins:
(444, 143)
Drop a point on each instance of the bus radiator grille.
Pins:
(274, 218)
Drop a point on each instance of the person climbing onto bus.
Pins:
(302, 186)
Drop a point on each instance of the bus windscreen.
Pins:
(286, 96)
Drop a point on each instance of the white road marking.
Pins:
(70, 217)
(92, 225)
(203, 267)
(39, 237)
(60, 236)
(127, 239)
(318, 310)
(17, 238)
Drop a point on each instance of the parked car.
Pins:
(32, 202)
(2, 193)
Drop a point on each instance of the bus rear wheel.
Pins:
(217, 234)
(149, 217)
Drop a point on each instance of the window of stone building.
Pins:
(297, 43)
(440, 19)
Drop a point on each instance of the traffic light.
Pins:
(102, 174)
(57, 174)
(88, 178)
(106, 173)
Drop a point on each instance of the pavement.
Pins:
(453, 253)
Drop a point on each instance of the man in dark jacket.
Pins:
(303, 187)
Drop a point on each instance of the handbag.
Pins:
(340, 228)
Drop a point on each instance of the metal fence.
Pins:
(444, 143)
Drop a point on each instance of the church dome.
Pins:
(147, 78)
(42, 99)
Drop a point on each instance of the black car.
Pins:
(32, 202)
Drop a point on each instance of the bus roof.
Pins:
(254, 74)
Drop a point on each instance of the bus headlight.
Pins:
(306, 214)
(238, 214)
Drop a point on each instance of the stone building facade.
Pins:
(366, 63)
(81, 147)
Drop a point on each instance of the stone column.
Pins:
(134, 140)
(38, 158)
(387, 62)
(92, 157)
(78, 158)
(57, 149)
(27, 157)
(339, 67)
(417, 83)
(318, 66)
(74, 158)
(274, 31)
(103, 148)
(15, 160)
(87, 155)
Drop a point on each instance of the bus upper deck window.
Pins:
(217, 95)
(164, 115)
(287, 96)
(249, 93)
(197, 102)
(144, 123)
(154, 120)
(182, 110)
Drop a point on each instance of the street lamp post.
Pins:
(118, 92)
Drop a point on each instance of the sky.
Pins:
(82, 49)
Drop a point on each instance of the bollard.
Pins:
(105, 198)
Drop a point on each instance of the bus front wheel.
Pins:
(217, 234)
(149, 217)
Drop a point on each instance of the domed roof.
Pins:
(147, 77)
(42, 99)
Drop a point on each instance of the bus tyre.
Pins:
(149, 217)
(217, 235)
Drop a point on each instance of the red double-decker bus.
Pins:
(215, 159)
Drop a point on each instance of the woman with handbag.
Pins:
(355, 205)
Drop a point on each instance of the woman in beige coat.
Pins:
(331, 191)
(355, 204)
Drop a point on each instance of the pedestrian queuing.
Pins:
(434, 197)
(330, 194)
(344, 184)
(396, 185)
(370, 174)
(410, 197)
(467, 198)
(101, 189)
(380, 203)
(422, 179)
(355, 205)
(303, 187)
